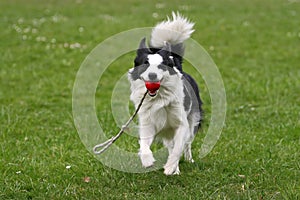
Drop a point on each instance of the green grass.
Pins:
(256, 46)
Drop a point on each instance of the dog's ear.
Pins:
(142, 53)
(143, 49)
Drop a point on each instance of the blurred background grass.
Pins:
(256, 46)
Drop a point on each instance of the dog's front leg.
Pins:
(147, 135)
(171, 167)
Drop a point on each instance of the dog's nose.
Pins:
(152, 76)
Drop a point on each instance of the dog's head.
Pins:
(153, 66)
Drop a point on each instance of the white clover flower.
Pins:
(80, 29)
(155, 15)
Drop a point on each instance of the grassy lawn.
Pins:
(255, 44)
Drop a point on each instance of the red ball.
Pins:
(152, 86)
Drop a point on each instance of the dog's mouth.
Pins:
(152, 94)
(152, 87)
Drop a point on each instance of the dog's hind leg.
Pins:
(188, 152)
(194, 125)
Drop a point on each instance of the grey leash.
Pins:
(110, 141)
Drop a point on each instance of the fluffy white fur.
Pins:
(164, 115)
(173, 31)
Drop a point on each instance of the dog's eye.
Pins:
(146, 62)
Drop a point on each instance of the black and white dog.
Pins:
(172, 110)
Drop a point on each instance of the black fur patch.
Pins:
(167, 68)
(194, 86)
(187, 100)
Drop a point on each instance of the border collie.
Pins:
(172, 109)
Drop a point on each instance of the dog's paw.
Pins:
(172, 170)
(147, 160)
(177, 171)
(191, 160)
(188, 156)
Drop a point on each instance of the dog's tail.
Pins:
(174, 31)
